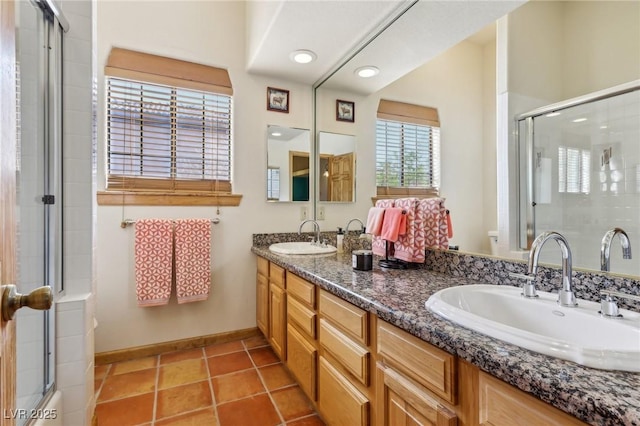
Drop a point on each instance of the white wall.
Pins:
(453, 82)
(231, 305)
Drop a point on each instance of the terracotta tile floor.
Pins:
(241, 383)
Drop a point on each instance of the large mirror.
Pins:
(481, 65)
(337, 171)
(288, 164)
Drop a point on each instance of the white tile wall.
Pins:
(76, 310)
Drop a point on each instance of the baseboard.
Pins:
(172, 346)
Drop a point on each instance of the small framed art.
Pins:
(345, 111)
(277, 100)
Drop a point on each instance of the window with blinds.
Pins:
(574, 170)
(165, 131)
(273, 183)
(407, 150)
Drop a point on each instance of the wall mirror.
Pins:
(288, 163)
(337, 171)
(479, 87)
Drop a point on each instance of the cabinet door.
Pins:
(503, 404)
(403, 403)
(278, 320)
(340, 403)
(302, 359)
(262, 304)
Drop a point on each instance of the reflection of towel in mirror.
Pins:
(394, 224)
(378, 245)
(374, 220)
(193, 259)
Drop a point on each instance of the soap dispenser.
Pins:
(340, 241)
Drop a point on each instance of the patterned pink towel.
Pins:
(193, 259)
(153, 257)
(410, 246)
(435, 223)
(378, 244)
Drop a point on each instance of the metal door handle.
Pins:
(40, 298)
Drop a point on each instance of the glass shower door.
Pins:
(39, 103)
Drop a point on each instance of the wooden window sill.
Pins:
(140, 198)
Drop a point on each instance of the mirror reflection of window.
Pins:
(407, 149)
(273, 183)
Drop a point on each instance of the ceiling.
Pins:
(337, 29)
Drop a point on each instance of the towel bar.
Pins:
(128, 222)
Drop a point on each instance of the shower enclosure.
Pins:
(579, 164)
(39, 37)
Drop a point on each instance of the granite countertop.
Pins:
(595, 396)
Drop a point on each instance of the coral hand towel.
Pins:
(153, 258)
(374, 220)
(393, 225)
(193, 259)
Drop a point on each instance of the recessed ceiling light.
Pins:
(553, 114)
(579, 120)
(276, 134)
(604, 127)
(303, 56)
(367, 72)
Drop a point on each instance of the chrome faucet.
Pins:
(346, 229)
(605, 247)
(316, 227)
(565, 295)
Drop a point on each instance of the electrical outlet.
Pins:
(304, 213)
(321, 213)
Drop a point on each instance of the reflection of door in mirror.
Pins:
(287, 164)
(299, 166)
(337, 167)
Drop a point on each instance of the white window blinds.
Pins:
(165, 136)
(574, 170)
(407, 148)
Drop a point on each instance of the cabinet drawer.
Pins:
(431, 367)
(302, 359)
(503, 405)
(406, 403)
(303, 290)
(276, 275)
(340, 402)
(263, 266)
(351, 319)
(353, 357)
(302, 316)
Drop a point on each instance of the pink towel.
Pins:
(378, 245)
(435, 223)
(374, 220)
(153, 257)
(193, 259)
(410, 246)
(393, 225)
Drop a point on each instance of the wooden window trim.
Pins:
(147, 198)
(148, 68)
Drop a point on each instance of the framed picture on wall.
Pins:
(277, 100)
(345, 111)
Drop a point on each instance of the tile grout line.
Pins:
(155, 393)
(273, 402)
(210, 379)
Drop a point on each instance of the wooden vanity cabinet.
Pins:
(262, 296)
(277, 311)
(346, 385)
(416, 382)
(302, 345)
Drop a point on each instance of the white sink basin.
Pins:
(301, 248)
(576, 334)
